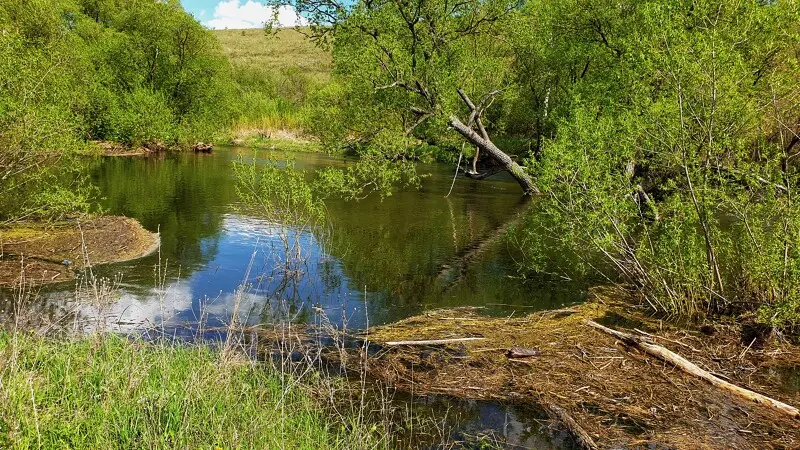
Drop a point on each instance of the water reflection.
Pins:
(383, 257)
(377, 262)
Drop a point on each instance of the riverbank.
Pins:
(50, 253)
(268, 139)
(104, 391)
(597, 384)
(272, 139)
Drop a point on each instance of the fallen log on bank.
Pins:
(687, 366)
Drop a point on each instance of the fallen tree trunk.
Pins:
(433, 341)
(498, 155)
(692, 369)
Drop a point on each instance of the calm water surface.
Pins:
(379, 261)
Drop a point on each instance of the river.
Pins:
(378, 261)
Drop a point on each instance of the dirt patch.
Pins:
(619, 395)
(49, 255)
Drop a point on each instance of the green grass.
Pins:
(288, 48)
(275, 73)
(106, 392)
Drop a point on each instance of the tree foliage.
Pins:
(669, 149)
(128, 71)
(663, 134)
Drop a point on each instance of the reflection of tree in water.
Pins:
(397, 246)
(394, 248)
(182, 196)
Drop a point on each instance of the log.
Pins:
(581, 436)
(434, 341)
(692, 369)
(505, 161)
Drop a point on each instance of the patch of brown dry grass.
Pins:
(621, 396)
(39, 252)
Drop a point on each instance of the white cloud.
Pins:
(234, 14)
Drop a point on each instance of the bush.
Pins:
(141, 116)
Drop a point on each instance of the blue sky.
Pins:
(235, 14)
(200, 8)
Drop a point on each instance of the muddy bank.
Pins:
(42, 255)
(620, 396)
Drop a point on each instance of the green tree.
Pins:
(133, 72)
(662, 134)
(668, 152)
(409, 71)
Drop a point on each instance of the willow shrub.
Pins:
(594, 212)
(676, 178)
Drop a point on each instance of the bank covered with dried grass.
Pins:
(611, 391)
(37, 253)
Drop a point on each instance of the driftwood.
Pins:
(692, 369)
(581, 436)
(518, 352)
(433, 341)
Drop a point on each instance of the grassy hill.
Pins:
(286, 49)
(275, 74)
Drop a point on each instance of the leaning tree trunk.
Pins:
(498, 155)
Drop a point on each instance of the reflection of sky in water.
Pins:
(397, 248)
(212, 294)
(410, 252)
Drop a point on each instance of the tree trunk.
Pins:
(498, 155)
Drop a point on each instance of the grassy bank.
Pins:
(104, 391)
(275, 73)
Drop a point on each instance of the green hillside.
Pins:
(288, 48)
